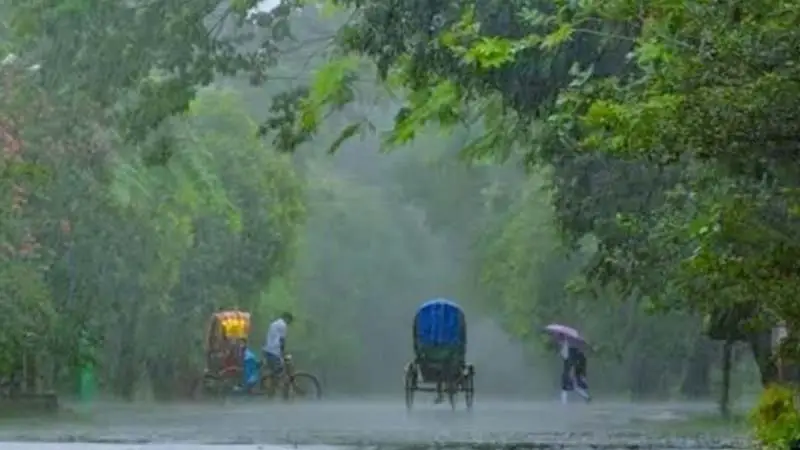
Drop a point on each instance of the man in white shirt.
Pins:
(275, 343)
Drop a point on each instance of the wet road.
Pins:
(384, 425)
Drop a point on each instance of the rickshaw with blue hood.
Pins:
(439, 334)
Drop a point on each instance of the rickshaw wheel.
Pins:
(213, 387)
(209, 388)
(209, 385)
(469, 388)
(224, 382)
(410, 385)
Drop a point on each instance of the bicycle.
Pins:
(291, 382)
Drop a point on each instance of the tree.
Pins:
(135, 258)
(636, 144)
(138, 63)
(713, 87)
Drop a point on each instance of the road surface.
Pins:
(381, 425)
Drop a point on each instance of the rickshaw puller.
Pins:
(275, 344)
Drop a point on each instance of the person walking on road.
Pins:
(573, 373)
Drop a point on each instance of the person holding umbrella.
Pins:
(573, 374)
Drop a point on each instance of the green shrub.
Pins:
(776, 419)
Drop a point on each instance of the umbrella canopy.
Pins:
(563, 331)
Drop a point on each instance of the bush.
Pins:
(776, 418)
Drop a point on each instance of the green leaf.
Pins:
(560, 36)
(329, 86)
(490, 52)
(346, 133)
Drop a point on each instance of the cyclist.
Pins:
(275, 344)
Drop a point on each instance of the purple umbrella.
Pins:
(563, 331)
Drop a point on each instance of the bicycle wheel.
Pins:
(215, 387)
(306, 386)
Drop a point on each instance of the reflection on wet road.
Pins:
(368, 424)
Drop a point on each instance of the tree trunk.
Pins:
(30, 383)
(128, 359)
(724, 400)
(128, 375)
(696, 383)
(160, 371)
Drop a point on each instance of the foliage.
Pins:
(195, 214)
(136, 259)
(134, 202)
(776, 418)
(28, 314)
(668, 142)
(154, 55)
(689, 102)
